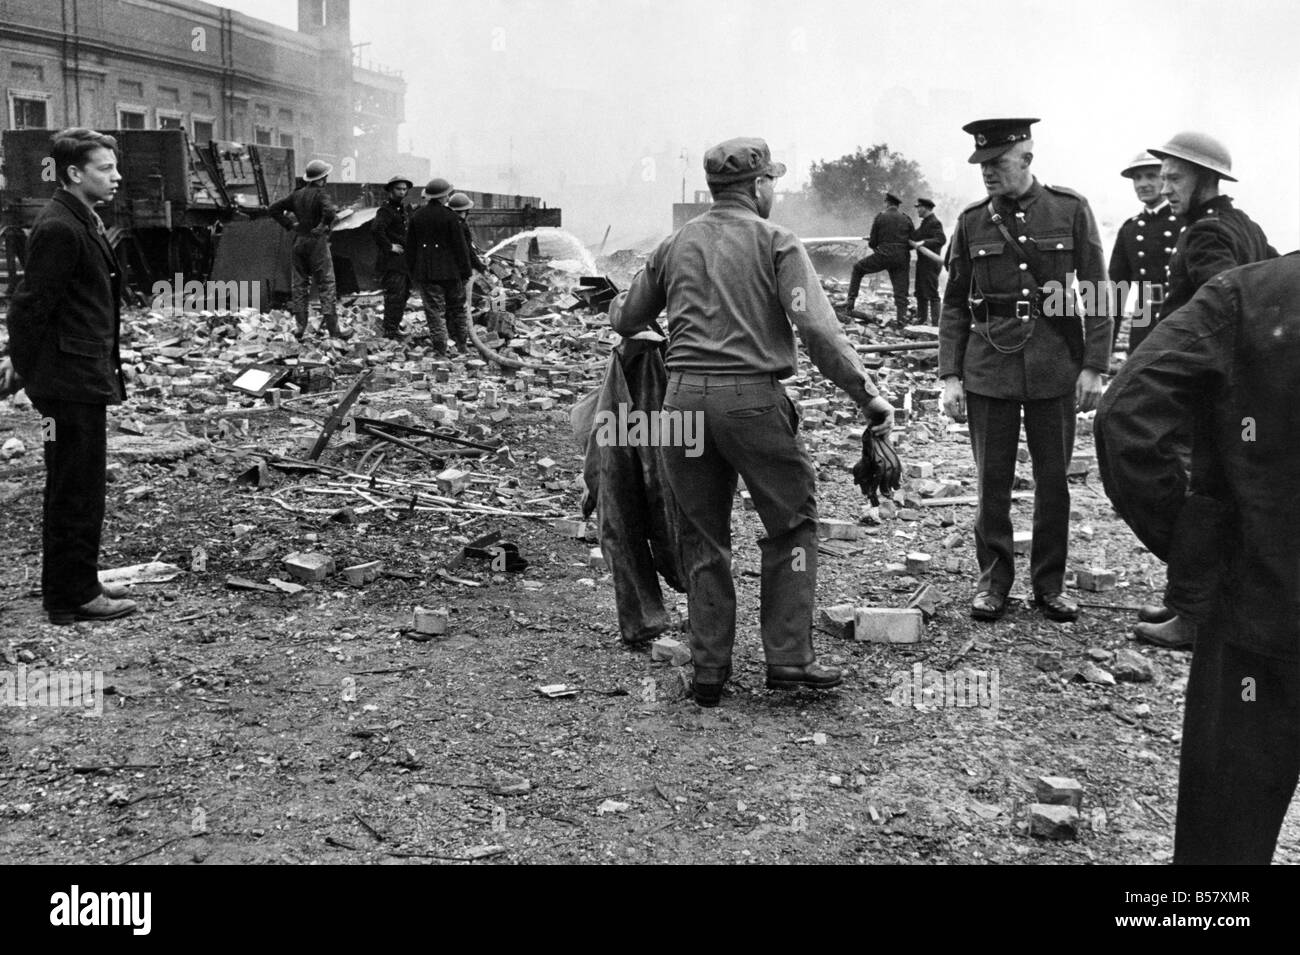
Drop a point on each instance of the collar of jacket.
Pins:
(736, 201)
(1210, 207)
(79, 208)
(1157, 210)
(1011, 206)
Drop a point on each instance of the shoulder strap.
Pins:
(1019, 251)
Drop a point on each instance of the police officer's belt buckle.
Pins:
(1024, 310)
(1155, 293)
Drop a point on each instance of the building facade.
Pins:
(218, 74)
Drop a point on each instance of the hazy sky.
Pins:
(590, 103)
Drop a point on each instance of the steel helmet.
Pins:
(459, 202)
(1140, 161)
(398, 179)
(438, 189)
(1199, 150)
(317, 169)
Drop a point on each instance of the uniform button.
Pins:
(1169, 250)
(982, 252)
(1024, 238)
(1023, 266)
(1060, 245)
(1182, 230)
(1142, 271)
(1167, 234)
(1142, 222)
(1139, 238)
(1141, 254)
(1024, 292)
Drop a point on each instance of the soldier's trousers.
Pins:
(75, 482)
(444, 307)
(312, 263)
(397, 289)
(994, 438)
(746, 425)
(1240, 753)
(896, 265)
(927, 292)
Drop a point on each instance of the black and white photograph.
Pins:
(614, 432)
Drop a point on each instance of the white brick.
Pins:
(887, 625)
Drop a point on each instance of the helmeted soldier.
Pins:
(309, 213)
(1142, 249)
(389, 230)
(1011, 342)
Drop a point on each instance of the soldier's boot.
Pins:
(332, 326)
(900, 311)
(303, 329)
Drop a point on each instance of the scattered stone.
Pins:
(358, 575)
(917, 562)
(311, 566)
(1053, 822)
(1132, 667)
(431, 622)
(1091, 673)
(1049, 661)
(1096, 579)
(673, 652)
(838, 620)
(507, 784)
(888, 625)
(1021, 542)
(840, 530)
(1099, 654)
(1059, 791)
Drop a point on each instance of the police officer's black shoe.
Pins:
(1155, 613)
(1057, 607)
(813, 675)
(988, 605)
(706, 694)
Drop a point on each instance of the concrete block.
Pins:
(452, 481)
(917, 562)
(1053, 822)
(1058, 791)
(921, 469)
(432, 622)
(670, 651)
(546, 465)
(359, 575)
(1096, 579)
(838, 620)
(831, 529)
(887, 625)
(311, 566)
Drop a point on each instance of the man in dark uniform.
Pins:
(928, 237)
(734, 284)
(1142, 249)
(309, 213)
(460, 204)
(64, 332)
(440, 265)
(1216, 237)
(1228, 359)
(890, 232)
(1005, 348)
(389, 231)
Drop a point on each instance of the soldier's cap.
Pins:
(1142, 160)
(396, 179)
(893, 199)
(439, 189)
(740, 160)
(928, 203)
(317, 169)
(993, 137)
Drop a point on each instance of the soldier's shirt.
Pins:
(1141, 254)
(1056, 227)
(890, 232)
(1217, 237)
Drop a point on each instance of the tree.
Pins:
(854, 186)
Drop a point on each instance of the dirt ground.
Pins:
(243, 726)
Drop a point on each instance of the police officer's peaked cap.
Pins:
(1199, 150)
(439, 189)
(396, 179)
(740, 160)
(1140, 161)
(893, 199)
(317, 169)
(993, 137)
(928, 203)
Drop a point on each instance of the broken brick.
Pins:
(311, 566)
(1053, 822)
(838, 620)
(1058, 791)
(887, 625)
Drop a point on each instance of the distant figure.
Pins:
(64, 328)
(460, 204)
(309, 213)
(888, 242)
(1142, 248)
(389, 230)
(928, 238)
(439, 257)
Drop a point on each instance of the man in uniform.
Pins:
(440, 265)
(1001, 355)
(1216, 237)
(64, 330)
(733, 283)
(309, 213)
(890, 232)
(928, 237)
(1142, 249)
(1229, 360)
(460, 204)
(389, 231)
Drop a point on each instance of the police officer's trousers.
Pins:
(994, 438)
(745, 425)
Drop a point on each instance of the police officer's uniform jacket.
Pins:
(1141, 253)
(1217, 237)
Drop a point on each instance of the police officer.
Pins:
(890, 232)
(389, 231)
(1006, 346)
(928, 238)
(735, 287)
(1142, 248)
(310, 213)
(1217, 237)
